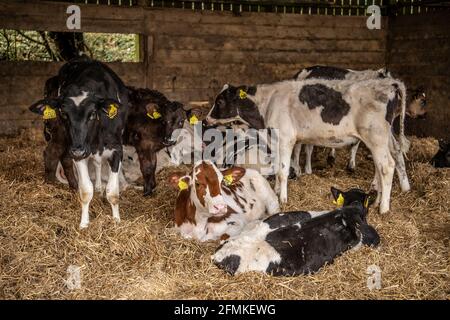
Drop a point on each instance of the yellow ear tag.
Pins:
(366, 202)
(193, 120)
(242, 94)
(340, 200)
(154, 115)
(228, 179)
(182, 185)
(112, 111)
(49, 113)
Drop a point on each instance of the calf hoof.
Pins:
(351, 169)
(331, 161)
(148, 192)
(292, 174)
(84, 225)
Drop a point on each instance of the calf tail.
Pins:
(404, 143)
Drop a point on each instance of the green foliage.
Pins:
(16, 45)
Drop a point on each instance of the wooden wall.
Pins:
(418, 52)
(191, 55)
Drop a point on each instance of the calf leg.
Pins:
(86, 190)
(399, 164)
(112, 187)
(123, 183)
(309, 150)
(283, 173)
(385, 165)
(67, 164)
(352, 162)
(267, 196)
(147, 161)
(52, 155)
(296, 159)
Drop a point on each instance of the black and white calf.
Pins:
(92, 102)
(330, 113)
(415, 107)
(300, 242)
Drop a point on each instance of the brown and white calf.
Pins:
(214, 204)
(330, 113)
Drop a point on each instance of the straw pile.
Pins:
(143, 257)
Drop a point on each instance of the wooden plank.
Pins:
(265, 32)
(258, 19)
(432, 57)
(207, 56)
(222, 43)
(51, 16)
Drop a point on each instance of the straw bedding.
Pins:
(143, 257)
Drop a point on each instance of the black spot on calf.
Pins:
(229, 264)
(280, 220)
(324, 72)
(393, 105)
(319, 95)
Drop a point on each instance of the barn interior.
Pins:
(188, 50)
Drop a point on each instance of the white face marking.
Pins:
(78, 99)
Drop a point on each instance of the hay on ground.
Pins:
(143, 257)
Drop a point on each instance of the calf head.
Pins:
(82, 115)
(346, 198)
(442, 157)
(358, 202)
(416, 107)
(235, 105)
(173, 117)
(170, 114)
(206, 184)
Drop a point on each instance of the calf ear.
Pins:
(42, 105)
(233, 174)
(110, 106)
(337, 194)
(153, 111)
(179, 180)
(194, 115)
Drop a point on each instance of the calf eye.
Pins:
(93, 116)
(63, 115)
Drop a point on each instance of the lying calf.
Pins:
(215, 204)
(300, 242)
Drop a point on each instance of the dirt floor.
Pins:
(143, 257)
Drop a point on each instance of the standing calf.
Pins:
(92, 104)
(415, 107)
(330, 113)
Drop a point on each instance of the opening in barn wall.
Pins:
(326, 223)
